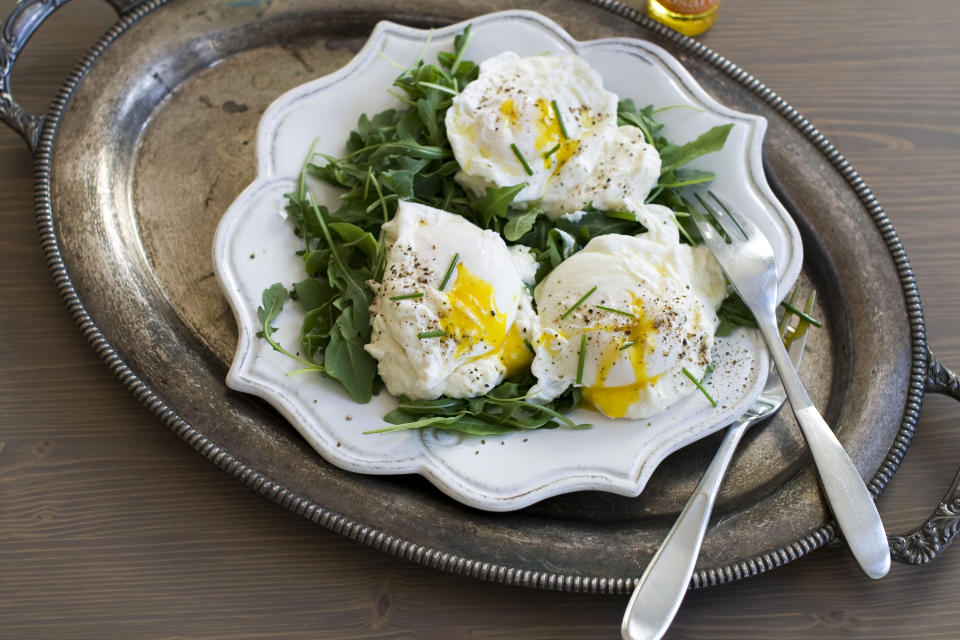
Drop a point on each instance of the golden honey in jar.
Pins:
(689, 17)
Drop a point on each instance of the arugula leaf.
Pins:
(557, 246)
(352, 235)
(460, 43)
(628, 114)
(463, 422)
(684, 178)
(315, 262)
(313, 293)
(519, 223)
(733, 313)
(315, 330)
(346, 360)
(673, 156)
(503, 410)
(599, 223)
(495, 202)
(337, 323)
(399, 181)
(274, 298)
(463, 71)
(431, 407)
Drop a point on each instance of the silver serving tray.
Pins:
(149, 140)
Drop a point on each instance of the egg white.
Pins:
(484, 309)
(652, 314)
(575, 152)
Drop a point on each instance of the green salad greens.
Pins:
(404, 154)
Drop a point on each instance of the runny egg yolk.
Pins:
(473, 317)
(509, 111)
(616, 401)
(514, 354)
(549, 134)
(548, 127)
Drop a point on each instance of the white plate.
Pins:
(254, 247)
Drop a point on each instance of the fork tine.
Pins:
(707, 232)
(723, 217)
(745, 225)
(710, 235)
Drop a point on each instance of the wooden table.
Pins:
(111, 527)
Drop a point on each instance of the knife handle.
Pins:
(661, 588)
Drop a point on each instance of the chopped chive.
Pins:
(556, 110)
(797, 333)
(523, 161)
(529, 346)
(552, 151)
(699, 386)
(806, 316)
(439, 333)
(583, 357)
(623, 313)
(446, 277)
(627, 346)
(407, 296)
(803, 325)
(784, 325)
(578, 302)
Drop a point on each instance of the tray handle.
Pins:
(17, 28)
(943, 525)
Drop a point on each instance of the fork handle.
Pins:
(661, 588)
(849, 499)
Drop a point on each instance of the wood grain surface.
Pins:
(111, 527)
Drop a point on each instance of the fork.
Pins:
(747, 259)
(664, 583)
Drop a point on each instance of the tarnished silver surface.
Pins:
(151, 138)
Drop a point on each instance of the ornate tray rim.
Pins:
(921, 358)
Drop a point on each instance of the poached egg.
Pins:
(452, 312)
(622, 319)
(548, 122)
